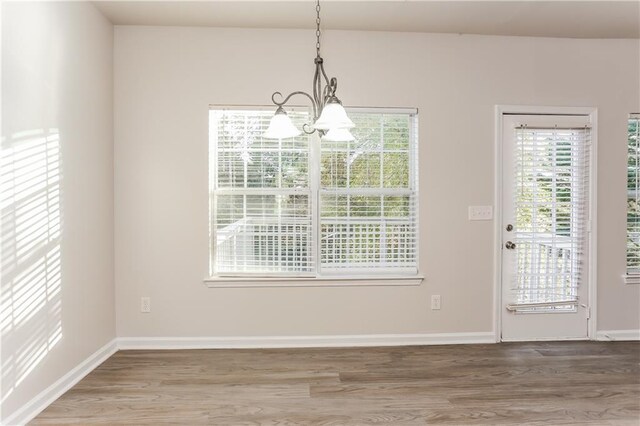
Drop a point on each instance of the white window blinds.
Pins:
(368, 196)
(552, 207)
(633, 191)
(261, 199)
(285, 207)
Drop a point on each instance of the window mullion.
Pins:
(314, 170)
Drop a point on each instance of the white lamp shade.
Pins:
(333, 117)
(338, 135)
(281, 127)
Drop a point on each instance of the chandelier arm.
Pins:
(325, 95)
(280, 104)
(316, 95)
(329, 89)
(289, 96)
(333, 84)
(324, 74)
(306, 127)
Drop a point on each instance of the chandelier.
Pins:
(330, 119)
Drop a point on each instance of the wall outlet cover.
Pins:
(145, 305)
(436, 302)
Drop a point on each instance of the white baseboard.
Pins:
(41, 401)
(614, 335)
(304, 341)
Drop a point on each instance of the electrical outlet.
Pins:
(145, 304)
(435, 302)
(480, 213)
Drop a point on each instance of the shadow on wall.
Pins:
(30, 304)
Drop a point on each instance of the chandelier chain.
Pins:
(318, 28)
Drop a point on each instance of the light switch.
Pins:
(480, 213)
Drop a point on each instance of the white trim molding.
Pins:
(41, 401)
(324, 281)
(617, 335)
(233, 342)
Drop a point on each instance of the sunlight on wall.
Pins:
(30, 304)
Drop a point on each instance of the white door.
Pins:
(545, 227)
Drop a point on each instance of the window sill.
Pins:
(326, 281)
(631, 278)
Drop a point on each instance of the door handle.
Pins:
(510, 245)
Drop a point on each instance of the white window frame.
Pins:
(387, 278)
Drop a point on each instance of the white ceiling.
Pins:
(575, 19)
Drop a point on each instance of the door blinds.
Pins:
(633, 192)
(552, 207)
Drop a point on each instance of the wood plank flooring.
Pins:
(510, 383)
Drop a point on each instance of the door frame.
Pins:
(500, 111)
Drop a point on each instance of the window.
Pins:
(304, 208)
(368, 197)
(633, 192)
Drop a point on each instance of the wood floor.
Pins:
(510, 383)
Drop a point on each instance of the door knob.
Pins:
(510, 245)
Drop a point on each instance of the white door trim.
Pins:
(500, 111)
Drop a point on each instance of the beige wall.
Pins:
(57, 193)
(165, 78)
